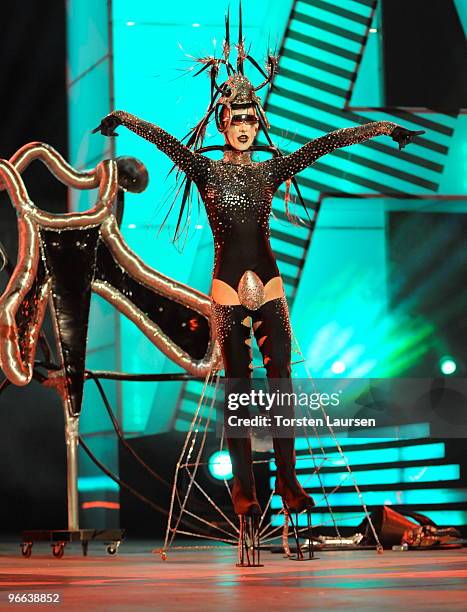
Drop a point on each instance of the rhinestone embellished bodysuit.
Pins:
(238, 197)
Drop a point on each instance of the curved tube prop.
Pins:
(163, 285)
(24, 301)
(58, 166)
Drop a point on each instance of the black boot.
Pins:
(244, 497)
(245, 502)
(287, 485)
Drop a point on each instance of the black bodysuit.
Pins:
(238, 197)
(238, 203)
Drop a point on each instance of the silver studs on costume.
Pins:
(237, 193)
(223, 320)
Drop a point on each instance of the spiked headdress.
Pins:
(236, 91)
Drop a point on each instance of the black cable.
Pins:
(126, 486)
(120, 435)
(116, 479)
(94, 376)
(41, 378)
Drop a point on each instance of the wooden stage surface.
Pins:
(136, 579)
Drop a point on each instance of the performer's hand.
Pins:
(403, 136)
(107, 126)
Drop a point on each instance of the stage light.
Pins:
(338, 367)
(447, 365)
(220, 466)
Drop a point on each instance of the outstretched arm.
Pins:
(289, 165)
(193, 164)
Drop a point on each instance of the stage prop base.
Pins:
(59, 538)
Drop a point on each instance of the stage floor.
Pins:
(136, 579)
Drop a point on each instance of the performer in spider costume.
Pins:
(247, 289)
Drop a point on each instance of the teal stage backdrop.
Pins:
(136, 56)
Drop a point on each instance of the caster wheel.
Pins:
(26, 549)
(58, 550)
(111, 549)
(163, 555)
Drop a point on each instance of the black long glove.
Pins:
(403, 136)
(107, 126)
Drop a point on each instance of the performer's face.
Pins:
(242, 129)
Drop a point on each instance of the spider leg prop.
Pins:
(249, 542)
(308, 545)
